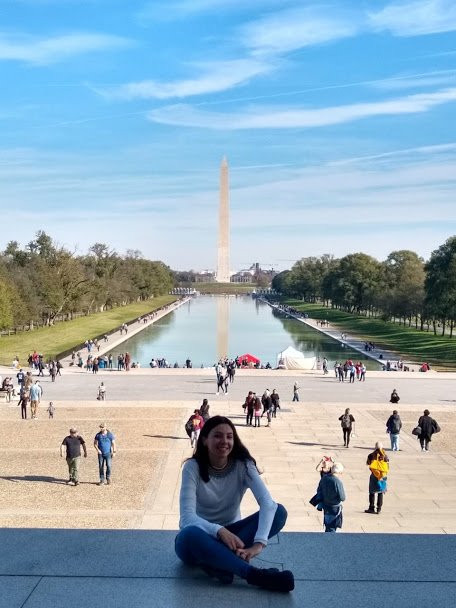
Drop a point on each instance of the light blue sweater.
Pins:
(215, 504)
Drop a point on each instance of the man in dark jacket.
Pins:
(393, 427)
(331, 494)
(428, 427)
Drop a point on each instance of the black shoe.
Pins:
(271, 579)
(224, 577)
(76, 483)
(379, 511)
(369, 510)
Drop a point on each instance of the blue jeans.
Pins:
(394, 441)
(102, 460)
(196, 547)
(332, 518)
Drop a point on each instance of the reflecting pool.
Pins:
(209, 327)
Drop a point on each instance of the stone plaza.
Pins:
(136, 517)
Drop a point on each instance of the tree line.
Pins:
(43, 281)
(403, 288)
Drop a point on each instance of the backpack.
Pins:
(346, 421)
(189, 426)
(395, 426)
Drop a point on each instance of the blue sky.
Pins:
(337, 118)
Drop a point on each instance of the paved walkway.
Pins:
(379, 354)
(114, 339)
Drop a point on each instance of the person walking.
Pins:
(329, 498)
(346, 422)
(249, 408)
(275, 399)
(428, 426)
(51, 409)
(204, 410)
(23, 401)
(35, 398)
(266, 402)
(377, 461)
(325, 366)
(212, 534)
(197, 425)
(71, 445)
(20, 378)
(105, 445)
(222, 380)
(257, 411)
(393, 427)
(295, 392)
(101, 392)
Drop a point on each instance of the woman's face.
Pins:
(219, 442)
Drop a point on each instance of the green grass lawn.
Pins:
(67, 334)
(223, 288)
(412, 344)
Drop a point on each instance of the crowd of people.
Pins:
(212, 533)
(349, 371)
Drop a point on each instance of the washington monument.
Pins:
(223, 252)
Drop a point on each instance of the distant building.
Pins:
(243, 276)
(205, 276)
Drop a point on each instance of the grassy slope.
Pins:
(65, 335)
(410, 343)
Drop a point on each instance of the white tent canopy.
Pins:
(291, 358)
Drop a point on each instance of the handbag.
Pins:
(316, 500)
(416, 430)
(437, 428)
(379, 468)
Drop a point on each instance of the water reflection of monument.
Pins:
(223, 317)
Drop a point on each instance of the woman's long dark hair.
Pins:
(201, 455)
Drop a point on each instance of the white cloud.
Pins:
(293, 29)
(167, 10)
(81, 201)
(214, 77)
(415, 18)
(285, 118)
(413, 81)
(54, 49)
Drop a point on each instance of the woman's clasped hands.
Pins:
(234, 543)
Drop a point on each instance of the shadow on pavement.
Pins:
(165, 437)
(42, 478)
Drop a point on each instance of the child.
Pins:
(51, 409)
(257, 411)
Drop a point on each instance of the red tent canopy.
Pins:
(250, 358)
